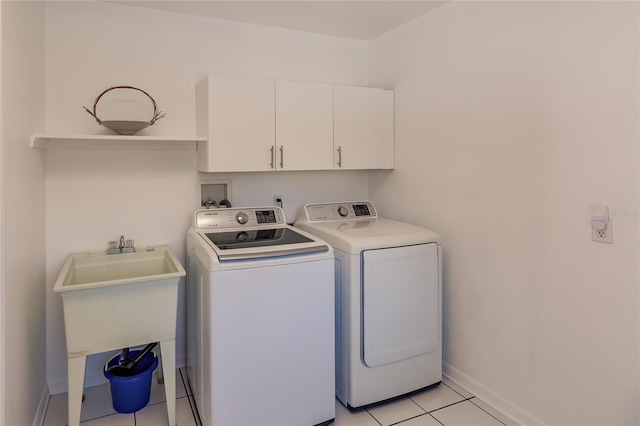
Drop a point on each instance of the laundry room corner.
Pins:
(503, 112)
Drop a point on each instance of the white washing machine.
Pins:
(388, 301)
(260, 320)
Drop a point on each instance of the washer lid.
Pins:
(354, 236)
(262, 243)
(246, 233)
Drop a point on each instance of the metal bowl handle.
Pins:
(157, 115)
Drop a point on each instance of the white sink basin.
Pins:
(119, 300)
(97, 269)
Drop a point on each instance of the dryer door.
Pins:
(400, 303)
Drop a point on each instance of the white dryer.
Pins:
(388, 301)
(260, 320)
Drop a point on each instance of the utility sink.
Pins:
(97, 269)
(119, 301)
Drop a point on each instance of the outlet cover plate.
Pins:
(603, 236)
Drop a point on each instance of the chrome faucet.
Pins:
(123, 246)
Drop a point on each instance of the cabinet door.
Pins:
(238, 116)
(363, 128)
(304, 126)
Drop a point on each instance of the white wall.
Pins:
(512, 118)
(95, 195)
(23, 276)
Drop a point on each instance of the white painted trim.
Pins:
(58, 387)
(90, 380)
(42, 407)
(638, 371)
(495, 400)
(2, 280)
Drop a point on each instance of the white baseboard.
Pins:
(42, 407)
(496, 401)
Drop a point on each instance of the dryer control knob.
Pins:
(242, 218)
(342, 211)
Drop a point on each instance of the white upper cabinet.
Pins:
(237, 115)
(304, 126)
(363, 134)
(256, 124)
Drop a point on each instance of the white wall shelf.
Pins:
(46, 141)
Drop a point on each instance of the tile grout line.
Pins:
(488, 412)
(464, 400)
(419, 415)
(452, 404)
(415, 417)
(469, 399)
(462, 395)
(372, 416)
(192, 405)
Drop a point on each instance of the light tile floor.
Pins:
(447, 405)
(97, 408)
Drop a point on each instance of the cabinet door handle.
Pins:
(281, 156)
(272, 156)
(339, 156)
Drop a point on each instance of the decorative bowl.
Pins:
(125, 127)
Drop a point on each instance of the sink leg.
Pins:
(168, 352)
(76, 366)
(160, 369)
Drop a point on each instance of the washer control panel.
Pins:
(340, 211)
(238, 217)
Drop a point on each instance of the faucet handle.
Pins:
(122, 246)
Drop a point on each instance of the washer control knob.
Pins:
(242, 218)
(342, 211)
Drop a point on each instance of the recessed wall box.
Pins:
(601, 225)
(213, 191)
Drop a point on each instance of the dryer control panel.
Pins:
(340, 211)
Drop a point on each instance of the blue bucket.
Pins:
(131, 393)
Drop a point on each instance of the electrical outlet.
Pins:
(277, 200)
(601, 224)
(604, 235)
